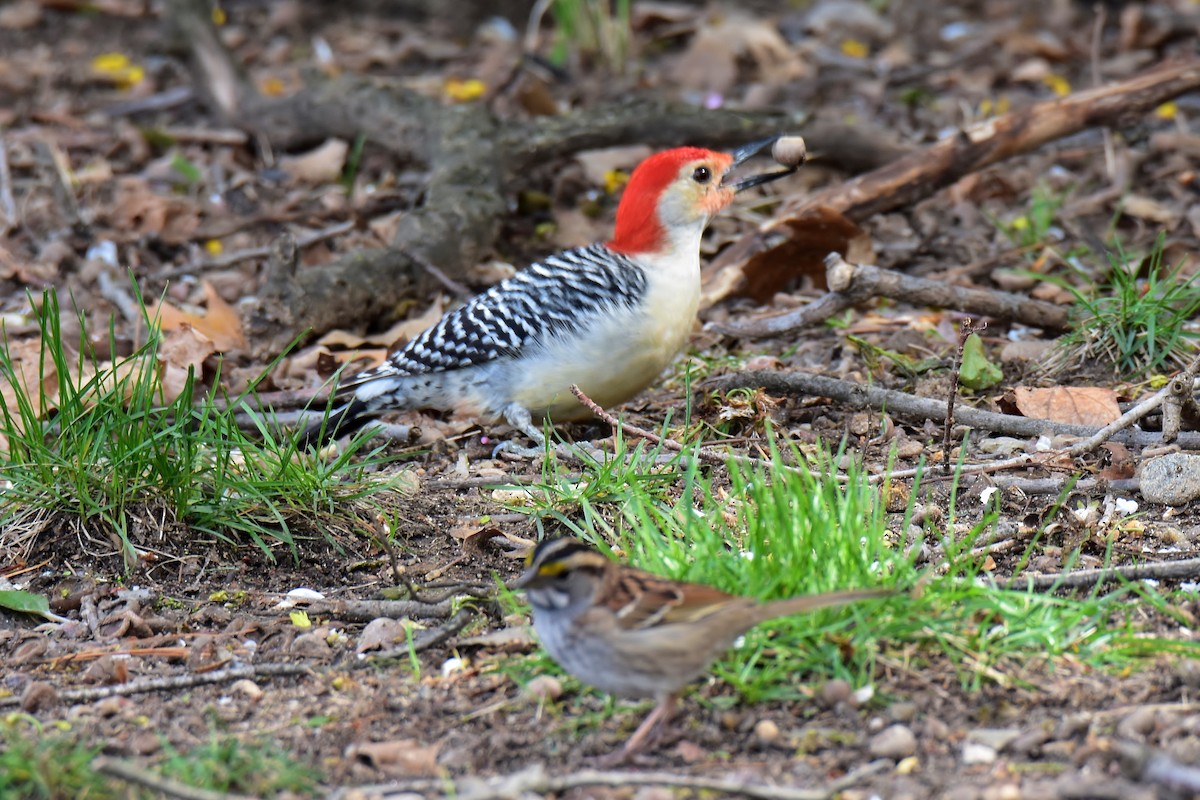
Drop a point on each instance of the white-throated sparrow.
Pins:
(636, 634)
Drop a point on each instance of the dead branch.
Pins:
(1151, 765)
(429, 638)
(920, 409)
(159, 785)
(923, 172)
(535, 779)
(8, 206)
(860, 282)
(1085, 578)
(170, 683)
(367, 610)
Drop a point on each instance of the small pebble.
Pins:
(834, 692)
(246, 688)
(903, 711)
(1173, 479)
(1007, 791)
(1137, 723)
(975, 753)
(895, 742)
(38, 696)
(766, 731)
(790, 151)
(544, 687)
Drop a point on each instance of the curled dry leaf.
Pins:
(220, 324)
(138, 211)
(323, 164)
(710, 63)
(1075, 405)
(398, 757)
(181, 350)
(815, 233)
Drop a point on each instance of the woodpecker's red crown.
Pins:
(675, 187)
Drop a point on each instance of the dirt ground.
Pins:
(195, 607)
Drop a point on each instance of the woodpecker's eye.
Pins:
(702, 175)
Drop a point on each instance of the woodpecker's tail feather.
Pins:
(342, 421)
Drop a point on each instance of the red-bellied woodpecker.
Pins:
(608, 317)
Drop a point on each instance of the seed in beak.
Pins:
(786, 150)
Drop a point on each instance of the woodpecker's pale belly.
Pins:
(612, 362)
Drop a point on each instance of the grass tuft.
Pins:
(107, 446)
(774, 532)
(1133, 325)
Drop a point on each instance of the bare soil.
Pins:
(193, 606)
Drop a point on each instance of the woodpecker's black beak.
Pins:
(743, 153)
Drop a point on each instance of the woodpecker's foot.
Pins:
(568, 451)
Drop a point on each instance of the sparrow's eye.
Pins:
(702, 175)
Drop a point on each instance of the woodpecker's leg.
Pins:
(519, 417)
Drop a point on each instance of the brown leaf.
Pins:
(399, 757)
(221, 323)
(180, 350)
(381, 633)
(322, 164)
(138, 210)
(710, 63)
(1075, 405)
(815, 234)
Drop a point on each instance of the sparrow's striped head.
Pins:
(554, 561)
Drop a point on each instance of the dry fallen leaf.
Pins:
(221, 323)
(380, 634)
(181, 350)
(1075, 405)
(815, 234)
(399, 757)
(138, 211)
(323, 164)
(710, 63)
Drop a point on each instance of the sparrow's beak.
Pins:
(745, 152)
(526, 578)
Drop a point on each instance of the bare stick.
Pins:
(1163, 570)
(813, 313)
(238, 256)
(850, 284)
(964, 333)
(920, 409)
(429, 638)
(132, 773)
(1150, 765)
(171, 683)
(925, 171)
(864, 279)
(8, 206)
(534, 779)
(117, 295)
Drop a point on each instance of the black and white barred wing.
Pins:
(562, 294)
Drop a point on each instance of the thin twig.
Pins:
(166, 787)
(964, 333)
(117, 295)
(8, 206)
(704, 454)
(1163, 570)
(170, 683)
(920, 409)
(429, 638)
(238, 256)
(534, 779)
